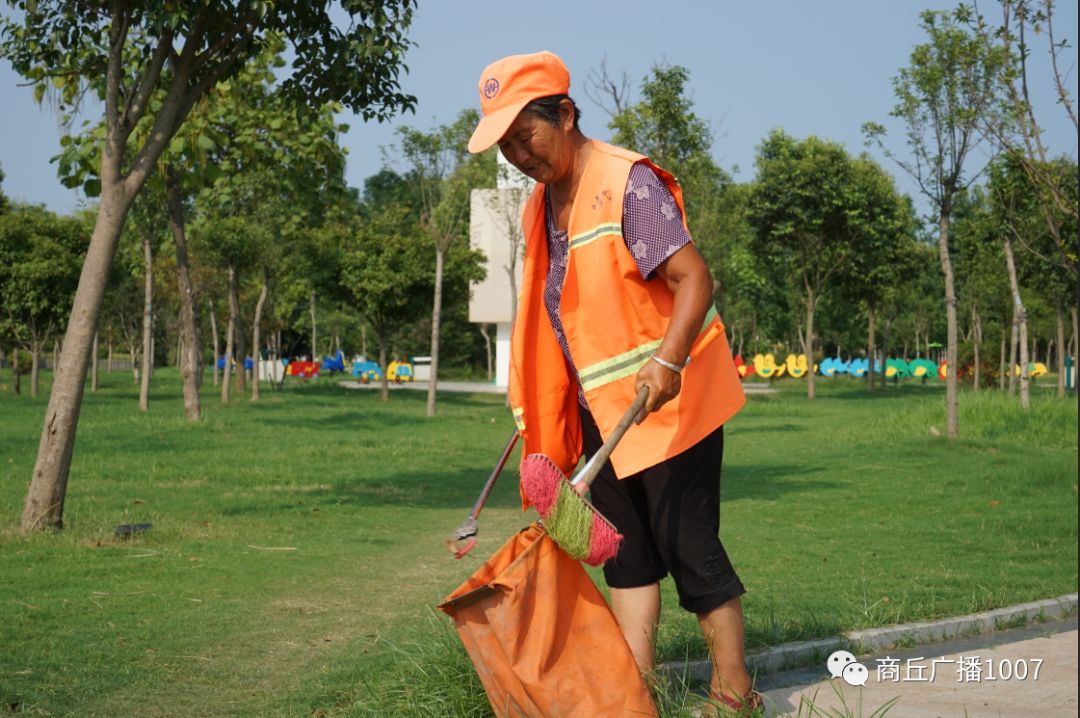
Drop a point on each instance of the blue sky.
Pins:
(819, 68)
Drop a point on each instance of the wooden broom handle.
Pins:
(592, 466)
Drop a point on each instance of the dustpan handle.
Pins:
(592, 467)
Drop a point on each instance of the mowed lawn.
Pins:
(297, 546)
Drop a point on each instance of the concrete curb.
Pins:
(875, 640)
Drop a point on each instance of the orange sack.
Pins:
(542, 638)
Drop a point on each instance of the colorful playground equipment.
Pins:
(743, 368)
(766, 367)
(248, 364)
(831, 366)
(897, 369)
(400, 371)
(303, 369)
(366, 371)
(1035, 369)
(920, 368)
(797, 366)
(335, 363)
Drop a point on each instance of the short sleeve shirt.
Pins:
(652, 230)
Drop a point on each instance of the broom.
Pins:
(571, 520)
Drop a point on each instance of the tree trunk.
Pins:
(1013, 369)
(94, 365)
(148, 324)
(278, 354)
(1075, 336)
(1059, 310)
(255, 354)
(109, 360)
(487, 348)
(871, 349)
(314, 334)
(16, 382)
(952, 419)
(55, 359)
(436, 319)
(133, 352)
(384, 391)
(976, 330)
(1001, 376)
(807, 341)
(214, 336)
(885, 346)
(229, 330)
(237, 330)
(35, 369)
(1021, 321)
(44, 506)
(191, 355)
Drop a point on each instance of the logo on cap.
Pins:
(491, 87)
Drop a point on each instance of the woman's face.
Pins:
(540, 150)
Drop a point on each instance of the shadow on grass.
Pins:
(775, 429)
(771, 481)
(459, 489)
(445, 490)
(348, 420)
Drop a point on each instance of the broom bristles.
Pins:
(571, 521)
(605, 542)
(540, 479)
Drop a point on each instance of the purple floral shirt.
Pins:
(652, 230)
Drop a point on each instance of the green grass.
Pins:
(297, 547)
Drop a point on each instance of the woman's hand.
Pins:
(664, 385)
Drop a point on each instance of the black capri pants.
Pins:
(669, 515)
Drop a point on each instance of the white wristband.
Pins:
(666, 364)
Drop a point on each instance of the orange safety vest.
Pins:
(613, 321)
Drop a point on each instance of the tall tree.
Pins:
(184, 52)
(445, 173)
(383, 272)
(39, 268)
(1016, 126)
(1020, 217)
(941, 97)
(1013, 215)
(982, 286)
(881, 230)
(238, 243)
(799, 208)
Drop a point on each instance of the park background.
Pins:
(296, 547)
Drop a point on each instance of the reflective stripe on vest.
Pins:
(629, 362)
(596, 233)
(519, 418)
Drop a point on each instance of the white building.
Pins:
(495, 229)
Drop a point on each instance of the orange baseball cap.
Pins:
(507, 85)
